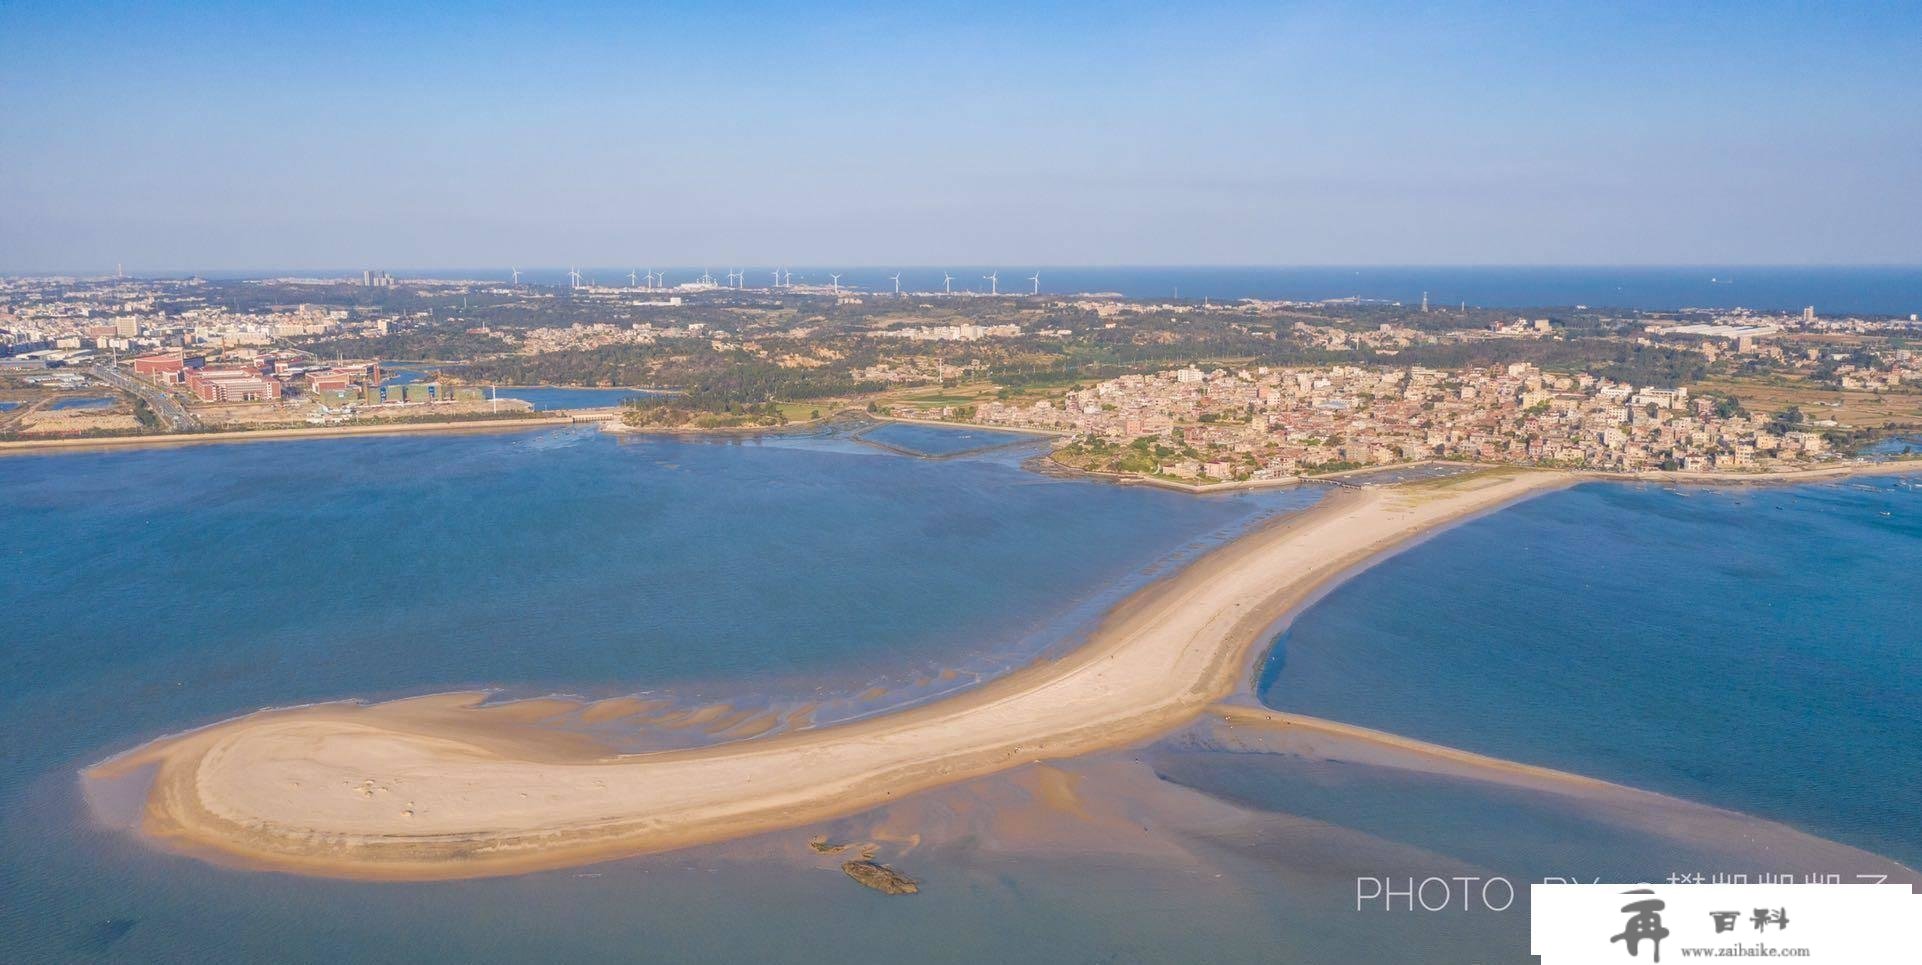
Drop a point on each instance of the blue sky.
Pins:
(253, 135)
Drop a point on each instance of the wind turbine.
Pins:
(777, 277)
(994, 282)
(897, 284)
(1036, 278)
(947, 283)
(633, 278)
(573, 278)
(837, 283)
(517, 276)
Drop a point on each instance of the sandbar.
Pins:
(359, 791)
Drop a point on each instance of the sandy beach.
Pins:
(435, 789)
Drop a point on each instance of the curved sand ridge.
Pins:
(411, 790)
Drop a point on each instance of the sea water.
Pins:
(1756, 648)
(1875, 289)
(148, 591)
(939, 441)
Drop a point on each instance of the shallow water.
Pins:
(1755, 648)
(940, 440)
(154, 590)
(1894, 446)
(545, 397)
(77, 402)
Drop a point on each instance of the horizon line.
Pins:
(938, 266)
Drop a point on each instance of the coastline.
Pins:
(1892, 467)
(983, 426)
(374, 792)
(162, 440)
(609, 422)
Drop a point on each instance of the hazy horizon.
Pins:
(720, 269)
(1232, 134)
(1845, 289)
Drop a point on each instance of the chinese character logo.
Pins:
(1644, 922)
(1764, 917)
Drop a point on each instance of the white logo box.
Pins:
(1575, 924)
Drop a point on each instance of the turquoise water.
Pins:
(1753, 648)
(149, 591)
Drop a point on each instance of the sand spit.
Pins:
(1259, 730)
(1154, 806)
(1688, 824)
(363, 791)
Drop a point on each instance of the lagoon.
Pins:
(81, 402)
(154, 590)
(547, 397)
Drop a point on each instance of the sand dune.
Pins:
(437, 789)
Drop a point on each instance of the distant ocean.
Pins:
(1880, 290)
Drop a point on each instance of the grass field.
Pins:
(804, 411)
(1849, 408)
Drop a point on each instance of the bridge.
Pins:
(173, 416)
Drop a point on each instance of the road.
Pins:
(173, 415)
